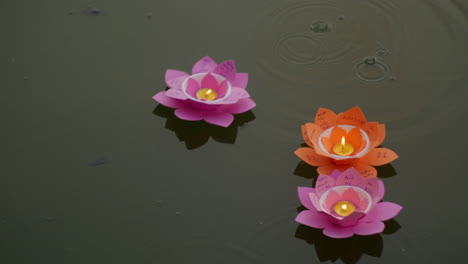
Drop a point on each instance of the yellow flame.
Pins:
(344, 207)
(208, 92)
(343, 141)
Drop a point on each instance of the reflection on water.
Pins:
(196, 133)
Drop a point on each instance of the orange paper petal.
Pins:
(354, 137)
(313, 131)
(379, 156)
(336, 135)
(380, 136)
(325, 118)
(305, 136)
(361, 147)
(309, 156)
(371, 130)
(365, 170)
(326, 144)
(353, 116)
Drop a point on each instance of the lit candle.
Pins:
(344, 208)
(206, 94)
(343, 148)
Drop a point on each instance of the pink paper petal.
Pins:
(381, 190)
(332, 198)
(382, 212)
(351, 219)
(222, 89)
(219, 119)
(241, 80)
(237, 94)
(351, 196)
(168, 101)
(335, 231)
(241, 106)
(371, 186)
(363, 205)
(365, 229)
(315, 201)
(206, 64)
(176, 94)
(209, 81)
(349, 177)
(323, 184)
(173, 78)
(189, 114)
(313, 219)
(227, 69)
(192, 87)
(305, 198)
(335, 174)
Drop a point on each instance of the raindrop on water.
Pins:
(381, 51)
(369, 60)
(321, 26)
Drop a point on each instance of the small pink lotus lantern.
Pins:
(344, 204)
(213, 92)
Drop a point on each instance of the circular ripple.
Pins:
(299, 49)
(370, 69)
(316, 36)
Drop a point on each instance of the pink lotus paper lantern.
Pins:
(213, 92)
(344, 204)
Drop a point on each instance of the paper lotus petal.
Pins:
(222, 82)
(330, 130)
(363, 213)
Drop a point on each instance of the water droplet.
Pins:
(369, 60)
(178, 213)
(381, 51)
(321, 26)
(370, 69)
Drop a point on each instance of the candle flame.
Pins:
(208, 92)
(343, 141)
(344, 207)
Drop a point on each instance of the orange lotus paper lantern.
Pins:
(344, 140)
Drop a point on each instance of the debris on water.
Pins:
(321, 26)
(93, 11)
(101, 161)
(381, 51)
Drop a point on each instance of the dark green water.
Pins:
(94, 171)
